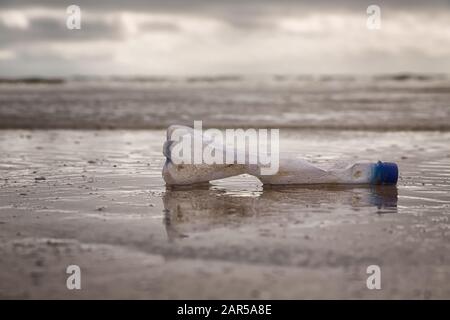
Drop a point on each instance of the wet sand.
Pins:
(96, 199)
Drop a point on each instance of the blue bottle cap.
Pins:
(385, 173)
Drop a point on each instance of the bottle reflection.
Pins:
(190, 209)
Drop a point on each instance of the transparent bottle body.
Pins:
(291, 169)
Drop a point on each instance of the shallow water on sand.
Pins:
(377, 103)
(97, 199)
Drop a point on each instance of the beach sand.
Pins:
(96, 199)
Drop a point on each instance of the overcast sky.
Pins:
(188, 37)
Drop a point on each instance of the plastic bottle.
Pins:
(291, 169)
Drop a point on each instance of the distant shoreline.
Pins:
(401, 76)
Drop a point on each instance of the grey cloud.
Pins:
(48, 29)
(238, 7)
(156, 26)
(239, 14)
(51, 29)
(246, 17)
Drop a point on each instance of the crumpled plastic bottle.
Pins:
(292, 170)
